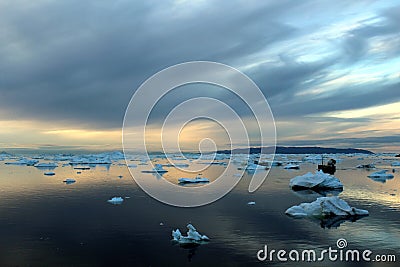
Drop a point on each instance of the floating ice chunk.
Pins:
(396, 163)
(381, 174)
(197, 179)
(253, 167)
(292, 167)
(69, 181)
(116, 200)
(82, 168)
(318, 181)
(23, 161)
(46, 165)
(366, 166)
(50, 173)
(192, 237)
(157, 169)
(251, 203)
(325, 207)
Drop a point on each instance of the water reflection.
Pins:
(43, 222)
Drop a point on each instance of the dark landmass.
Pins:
(297, 150)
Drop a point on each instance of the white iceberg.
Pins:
(325, 207)
(317, 181)
(292, 167)
(197, 179)
(116, 200)
(69, 181)
(251, 203)
(157, 169)
(50, 173)
(192, 237)
(381, 174)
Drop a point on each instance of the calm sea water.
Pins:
(44, 222)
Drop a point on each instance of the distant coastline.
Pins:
(297, 150)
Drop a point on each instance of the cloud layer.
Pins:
(79, 62)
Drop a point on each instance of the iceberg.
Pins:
(317, 181)
(396, 163)
(116, 200)
(197, 179)
(366, 166)
(292, 167)
(69, 181)
(330, 211)
(23, 161)
(193, 237)
(46, 165)
(381, 174)
(50, 173)
(251, 203)
(158, 169)
(82, 168)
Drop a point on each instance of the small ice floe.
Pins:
(116, 200)
(49, 173)
(78, 172)
(396, 163)
(381, 174)
(132, 166)
(366, 166)
(51, 165)
(157, 169)
(192, 238)
(195, 180)
(330, 211)
(82, 168)
(317, 181)
(23, 161)
(251, 203)
(161, 223)
(69, 181)
(292, 167)
(120, 176)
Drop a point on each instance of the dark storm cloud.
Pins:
(79, 62)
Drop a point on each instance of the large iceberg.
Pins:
(317, 181)
(192, 238)
(325, 207)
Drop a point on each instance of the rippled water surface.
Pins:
(45, 222)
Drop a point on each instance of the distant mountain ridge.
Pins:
(297, 150)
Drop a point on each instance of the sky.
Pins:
(330, 70)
